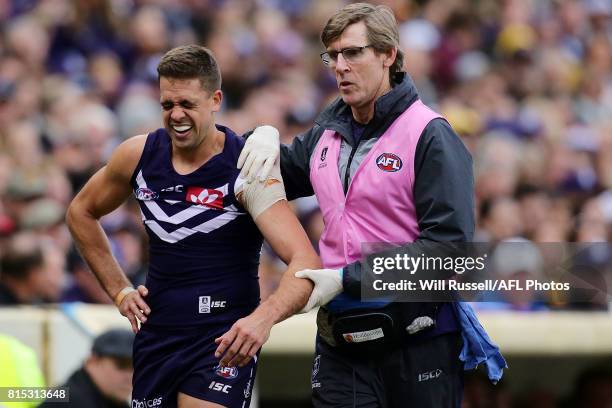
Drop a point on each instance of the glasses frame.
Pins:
(329, 61)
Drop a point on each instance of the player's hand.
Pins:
(328, 284)
(260, 152)
(242, 341)
(134, 307)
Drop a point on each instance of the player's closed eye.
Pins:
(184, 104)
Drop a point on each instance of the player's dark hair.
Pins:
(191, 61)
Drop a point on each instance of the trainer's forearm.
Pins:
(292, 293)
(94, 247)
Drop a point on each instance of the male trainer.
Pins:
(385, 168)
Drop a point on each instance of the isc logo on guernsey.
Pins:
(155, 402)
(205, 304)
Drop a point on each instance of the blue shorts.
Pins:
(168, 361)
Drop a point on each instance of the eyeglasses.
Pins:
(350, 54)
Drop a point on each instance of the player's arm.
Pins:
(285, 234)
(103, 193)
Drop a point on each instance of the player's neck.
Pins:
(186, 161)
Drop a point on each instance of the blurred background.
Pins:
(527, 84)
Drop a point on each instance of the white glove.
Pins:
(260, 152)
(328, 285)
(420, 323)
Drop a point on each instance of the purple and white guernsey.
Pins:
(204, 247)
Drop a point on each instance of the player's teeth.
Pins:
(182, 128)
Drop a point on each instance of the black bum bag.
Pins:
(363, 329)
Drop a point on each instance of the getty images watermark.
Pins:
(518, 272)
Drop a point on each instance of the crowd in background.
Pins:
(527, 84)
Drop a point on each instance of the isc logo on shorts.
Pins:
(217, 386)
(205, 304)
(430, 375)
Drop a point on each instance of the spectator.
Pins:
(27, 273)
(105, 379)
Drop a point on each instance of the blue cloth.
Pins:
(477, 346)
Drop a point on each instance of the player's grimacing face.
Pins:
(188, 110)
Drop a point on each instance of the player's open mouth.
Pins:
(181, 129)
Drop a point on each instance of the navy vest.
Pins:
(203, 246)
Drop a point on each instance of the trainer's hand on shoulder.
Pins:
(242, 341)
(260, 151)
(328, 284)
(132, 305)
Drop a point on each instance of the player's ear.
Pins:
(217, 100)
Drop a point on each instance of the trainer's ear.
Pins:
(389, 57)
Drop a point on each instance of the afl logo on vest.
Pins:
(389, 162)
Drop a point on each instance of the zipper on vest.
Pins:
(348, 168)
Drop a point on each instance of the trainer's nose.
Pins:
(341, 64)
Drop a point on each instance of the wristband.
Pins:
(122, 294)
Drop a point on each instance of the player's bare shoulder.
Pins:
(124, 159)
